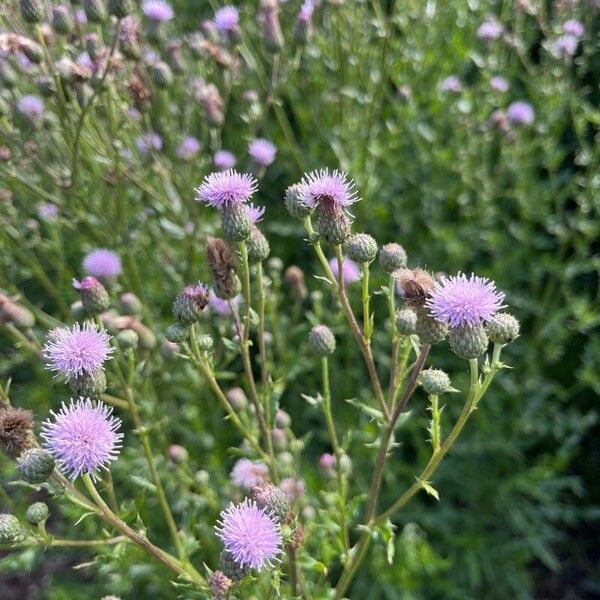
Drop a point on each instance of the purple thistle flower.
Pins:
(306, 11)
(462, 300)
(294, 489)
(246, 474)
(327, 461)
(574, 27)
(76, 350)
(499, 84)
(451, 84)
(490, 30)
(102, 263)
(334, 188)
(80, 16)
(227, 19)
(82, 437)
(47, 211)
(565, 45)
(148, 142)
(250, 534)
(158, 11)
(255, 213)
(223, 160)
(350, 270)
(134, 114)
(188, 148)
(226, 188)
(221, 307)
(31, 107)
(521, 113)
(84, 60)
(262, 152)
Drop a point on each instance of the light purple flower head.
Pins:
(246, 474)
(327, 461)
(490, 30)
(188, 148)
(226, 188)
(250, 534)
(47, 211)
(158, 11)
(306, 11)
(331, 187)
(134, 114)
(31, 106)
(71, 351)
(294, 489)
(462, 300)
(451, 84)
(221, 307)
(262, 152)
(227, 19)
(83, 437)
(350, 270)
(223, 160)
(521, 113)
(102, 263)
(499, 84)
(574, 27)
(565, 45)
(148, 142)
(80, 16)
(255, 213)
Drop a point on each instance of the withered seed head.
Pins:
(415, 284)
(16, 430)
(221, 261)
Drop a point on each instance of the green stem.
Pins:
(63, 543)
(366, 297)
(262, 349)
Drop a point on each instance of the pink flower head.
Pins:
(83, 437)
(71, 351)
(327, 461)
(250, 534)
(574, 27)
(566, 45)
(255, 213)
(227, 188)
(32, 107)
(47, 211)
(521, 113)
(246, 474)
(221, 307)
(294, 489)
(490, 30)
(223, 160)
(499, 84)
(350, 270)
(262, 151)
(462, 300)
(148, 142)
(188, 148)
(331, 187)
(102, 263)
(306, 11)
(451, 84)
(227, 19)
(158, 11)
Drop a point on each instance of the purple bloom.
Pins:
(84, 60)
(574, 27)
(250, 534)
(292, 488)
(521, 113)
(31, 107)
(221, 307)
(188, 148)
(327, 461)
(76, 350)
(451, 84)
(227, 19)
(80, 16)
(102, 263)
(262, 152)
(246, 474)
(499, 84)
(223, 160)
(82, 437)
(462, 300)
(334, 188)
(306, 11)
(227, 188)
(148, 142)
(47, 211)
(255, 213)
(490, 30)
(158, 11)
(350, 270)
(566, 45)
(134, 114)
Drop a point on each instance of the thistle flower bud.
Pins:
(89, 385)
(279, 439)
(258, 246)
(430, 330)
(177, 454)
(127, 339)
(205, 342)
(406, 321)
(35, 465)
(219, 585)
(361, 248)
(237, 398)
(10, 529)
(77, 311)
(119, 8)
(32, 11)
(392, 257)
(190, 303)
(147, 339)
(212, 103)
(294, 204)
(303, 26)
(17, 315)
(345, 465)
(297, 538)
(275, 265)
(468, 341)
(333, 223)
(321, 340)
(231, 568)
(16, 431)
(435, 382)
(162, 75)
(177, 333)
(271, 29)
(94, 297)
(130, 304)
(271, 499)
(175, 57)
(37, 513)
(95, 11)
(62, 19)
(282, 419)
(294, 278)
(503, 328)
(168, 350)
(235, 222)
(33, 51)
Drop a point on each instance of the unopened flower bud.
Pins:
(279, 439)
(392, 257)
(321, 340)
(503, 328)
(162, 75)
(282, 419)
(258, 246)
(270, 498)
(294, 278)
(468, 341)
(303, 26)
(89, 385)
(95, 11)
(16, 314)
(77, 310)
(169, 350)
(62, 19)
(35, 465)
(130, 304)
(205, 342)
(190, 303)
(430, 330)
(237, 398)
(285, 460)
(33, 51)
(32, 11)
(406, 321)
(275, 265)
(297, 538)
(219, 585)
(177, 333)
(10, 529)
(361, 248)
(235, 222)
(345, 465)
(128, 339)
(271, 29)
(94, 297)
(327, 464)
(212, 103)
(294, 204)
(177, 454)
(435, 382)
(37, 513)
(146, 337)
(231, 568)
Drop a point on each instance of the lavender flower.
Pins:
(255, 213)
(490, 30)
(227, 19)
(227, 188)
(565, 46)
(462, 300)
(223, 160)
(306, 11)
(333, 188)
(31, 107)
(246, 474)
(250, 535)
(221, 307)
(262, 152)
(294, 489)
(574, 27)
(71, 351)
(451, 84)
(82, 437)
(148, 142)
(521, 113)
(102, 263)
(47, 211)
(158, 11)
(80, 16)
(188, 148)
(499, 84)
(350, 270)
